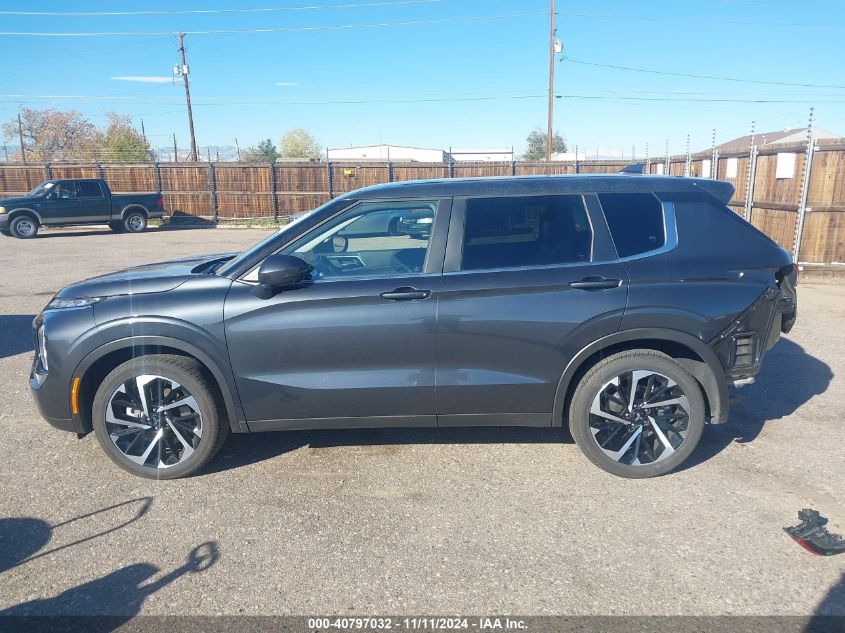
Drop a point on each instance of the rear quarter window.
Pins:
(635, 220)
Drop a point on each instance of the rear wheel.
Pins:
(135, 222)
(24, 227)
(637, 414)
(159, 417)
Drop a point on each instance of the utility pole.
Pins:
(20, 136)
(175, 153)
(143, 132)
(238, 147)
(550, 130)
(183, 70)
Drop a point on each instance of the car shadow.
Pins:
(100, 605)
(249, 448)
(789, 378)
(15, 334)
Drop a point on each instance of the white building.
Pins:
(396, 153)
(483, 155)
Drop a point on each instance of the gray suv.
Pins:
(624, 306)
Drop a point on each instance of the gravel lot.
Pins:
(417, 522)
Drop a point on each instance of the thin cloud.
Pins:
(144, 79)
(286, 83)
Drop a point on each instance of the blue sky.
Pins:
(256, 85)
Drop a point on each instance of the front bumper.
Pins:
(45, 407)
(4, 222)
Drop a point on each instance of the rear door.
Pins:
(528, 282)
(94, 205)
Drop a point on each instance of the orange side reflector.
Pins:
(74, 396)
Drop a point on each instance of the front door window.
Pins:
(372, 239)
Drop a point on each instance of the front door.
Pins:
(355, 346)
(528, 282)
(62, 204)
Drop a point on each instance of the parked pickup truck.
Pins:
(75, 202)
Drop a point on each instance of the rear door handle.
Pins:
(595, 283)
(406, 293)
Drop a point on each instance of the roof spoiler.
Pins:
(635, 168)
(719, 189)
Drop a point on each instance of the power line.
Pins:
(292, 29)
(714, 77)
(647, 18)
(213, 11)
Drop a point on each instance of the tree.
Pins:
(122, 143)
(299, 144)
(536, 140)
(264, 152)
(51, 134)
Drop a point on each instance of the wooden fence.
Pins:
(233, 191)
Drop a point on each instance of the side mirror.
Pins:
(282, 271)
(340, 243)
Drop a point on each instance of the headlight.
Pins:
(42, 348)
(2, 210)
(58, 304)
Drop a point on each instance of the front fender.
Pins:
(220, 371)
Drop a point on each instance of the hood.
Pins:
(159, 277)
(18, 201)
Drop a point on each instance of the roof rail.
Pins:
(634, 168)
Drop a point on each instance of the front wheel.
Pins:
(135, 222)
(637, 414)
(24, 227)
(159, 417)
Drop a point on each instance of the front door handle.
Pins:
(406, 293)
(595, 283)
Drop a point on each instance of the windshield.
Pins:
(266, 241)
(41, 189)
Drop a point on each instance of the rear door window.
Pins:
(89, 189)
(520, 231)
(635, 220)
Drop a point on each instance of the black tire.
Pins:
(190, 376)
(135, 222)
(23, 227)
(599, 378)
(117, 227)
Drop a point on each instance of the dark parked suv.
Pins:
(623, 305)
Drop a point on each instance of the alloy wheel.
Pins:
(135, 222)
(640, 417)
(154, 421)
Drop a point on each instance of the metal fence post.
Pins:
(389, 171)
(805, 190)
(330, 179)
(751, 174)
(513, 166)
(688, 168)
(212, 184)
(157, 167)
(451, 168)
(273, 200)
(99, 169)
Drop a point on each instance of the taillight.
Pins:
(160, 203)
